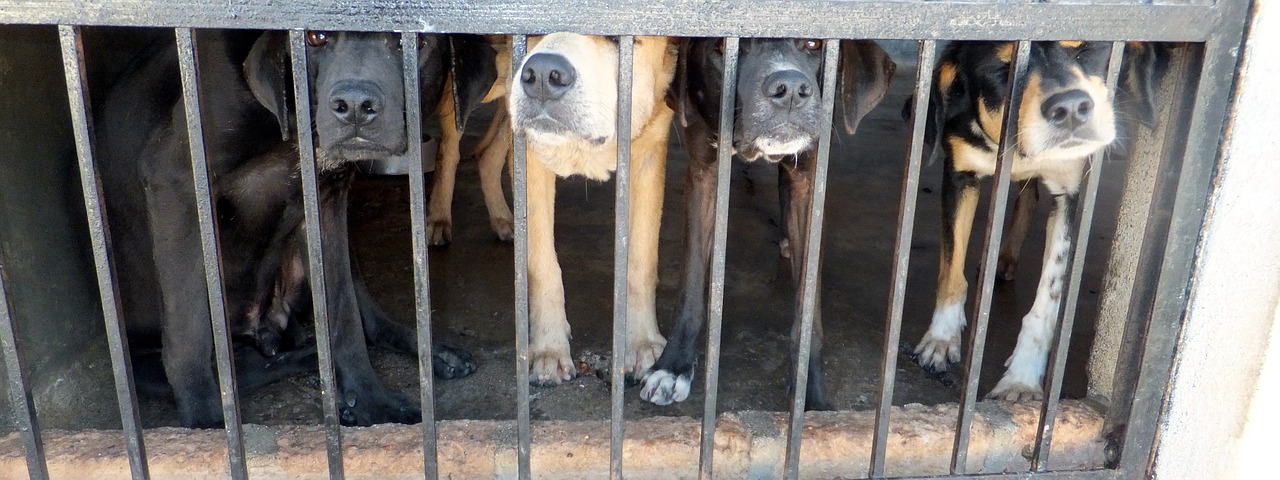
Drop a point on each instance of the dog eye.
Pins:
(612, 38)
(812, 45)
(317, 39)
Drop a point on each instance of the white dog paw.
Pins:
(1013, 390)
(663, 387)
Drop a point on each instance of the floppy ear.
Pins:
(267, 70)
(473, 66)
(433, 67)
(865, 73)
(1143, 66)
(678, 92)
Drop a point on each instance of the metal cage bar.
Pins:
(621, 252)
(1071, 293)
(987, 273)
(315, 264)
(108, 291)
(421, 266)
(810, 272)
(520, 194)
(719, 243)
(902, 253)
(212, 255)
(24, 411)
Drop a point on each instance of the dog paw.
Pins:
(439, 232)
(784, 248)
(662, 387)
(1012, 390)
(375, 406)
(643, 354)
(1006, 268)
(936, 353)
(450, 360)
(504, 227)
(550, 367)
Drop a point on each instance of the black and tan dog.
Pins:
(142, 148)
(564, 101)
(778, 106)
(1064, 119)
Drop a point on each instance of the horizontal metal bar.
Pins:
(315, 249)
(24, 410)
(719, 243)
(1057, 475)
(210, 248)
(902, 253)
(108, 291)
(520, 192)
(621, 253)
(1018, 78)
(745, 18)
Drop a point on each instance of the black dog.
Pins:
(142, 150)
(1065, 118)
(778, 105)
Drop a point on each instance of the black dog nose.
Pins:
(788, 88)
(355, 103)
(547, 76)
(1068, 109)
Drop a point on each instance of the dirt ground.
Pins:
(471, 282)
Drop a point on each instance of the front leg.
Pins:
(492, 157)
(1025, 375)
(648, 177)
(799, 179)
(440, 204)
(1024, 208)
(670, 379)
(549, 362)
(940, 346)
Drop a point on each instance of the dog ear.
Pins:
(433, 67)
(268, 72)
(1143, 67)
(473, 66)
(678, 93)
(865, 73)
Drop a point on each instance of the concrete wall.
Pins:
(1219, 408)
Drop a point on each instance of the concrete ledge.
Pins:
(748, 445)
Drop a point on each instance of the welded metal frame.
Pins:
(1218, 26)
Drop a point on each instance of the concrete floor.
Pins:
(471, 283)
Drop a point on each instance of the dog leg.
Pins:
(1024, 208)
(1024, 378)
(439, 205)
(492, 158)
(648, 176)
(549, 362)
(187, 349)
(940, 346)
(799, 178)
(671, 378)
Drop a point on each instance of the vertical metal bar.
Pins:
(809, 292)
(24, 410)
(990, 251)
(108, 292)
(315, 264)
(520, 190)
(1071, 293)
(421, 271)
(902, 253)
(212, 255)
(1198, 169)
(715, 297)
(621, 249)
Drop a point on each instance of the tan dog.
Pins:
(565, 103)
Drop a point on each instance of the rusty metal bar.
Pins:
(108, 291)
(902, 253)
(520, 192)
(621, 249)
(1071, 294)
(315, 264)
(990, 252)
(719, 240)
(808, 290)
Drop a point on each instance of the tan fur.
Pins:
(563, 155)
(946, 76)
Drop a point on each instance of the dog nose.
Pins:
(1068, 109)
(547, 76)
(355, 103)
(788, 88)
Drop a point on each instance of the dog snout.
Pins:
(547, 76)
(356, 103)
(788, 88)
(1068, 109)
